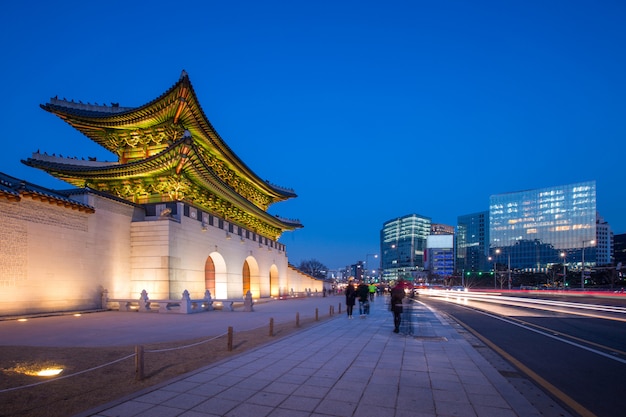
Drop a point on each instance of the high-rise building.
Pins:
(402, 247)
(531, 230)
(472, 242)
(604, 242)
(619, 245)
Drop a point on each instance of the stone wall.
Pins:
(55, 258)
(169, 256)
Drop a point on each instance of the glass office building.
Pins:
(472, 242)
(537, 228)
(402, 247)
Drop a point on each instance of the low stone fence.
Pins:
(183, 306)
(301, 294)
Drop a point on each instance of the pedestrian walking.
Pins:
(372, 289)
(350, 298)
(363, 292)
(397, 295)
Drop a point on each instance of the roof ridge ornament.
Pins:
(71, 104)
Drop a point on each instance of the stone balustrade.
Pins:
(185, 305)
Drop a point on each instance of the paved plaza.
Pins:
(337, 367)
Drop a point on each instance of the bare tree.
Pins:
(314, 268)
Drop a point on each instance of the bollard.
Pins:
(297, 319)
(330, 311)
(271, 326)
(230, 338)
(138, 363)
(317, 314)
(339, 308)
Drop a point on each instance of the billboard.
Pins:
(440, 242)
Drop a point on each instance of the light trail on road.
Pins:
(560, 344)
(582, 309)
(561, 337)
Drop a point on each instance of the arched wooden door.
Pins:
(246, 277)
(274, 285)
(209, 275)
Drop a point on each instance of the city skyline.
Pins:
(368, 110)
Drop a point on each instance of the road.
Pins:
(574, 348)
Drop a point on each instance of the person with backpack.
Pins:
(363, 294)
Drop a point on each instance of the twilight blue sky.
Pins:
(369, 110)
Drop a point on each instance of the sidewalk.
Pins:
(342, 367)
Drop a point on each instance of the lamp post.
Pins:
(396, 261)
(564, 255)
(491, 258)
(495, 263)
(509, 270)
(366, 261)
(582, 273)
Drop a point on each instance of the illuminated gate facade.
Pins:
(200, 217)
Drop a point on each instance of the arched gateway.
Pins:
(198, 215)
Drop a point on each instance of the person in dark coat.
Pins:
(350, 299)
(397, 295)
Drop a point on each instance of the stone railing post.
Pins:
(185, 302)
(104, 300)
(144, 301)
(247, 302)
(208, 301)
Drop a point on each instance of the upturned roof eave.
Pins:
(80, 175)
(90, 121)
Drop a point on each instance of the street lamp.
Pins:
(491, 258)
(396, 261)
(564, 255)
(497, 252)
(367, 263)
(495, 267)
(509, 266)
(582, 273)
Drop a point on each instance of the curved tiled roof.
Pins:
(166, 141)
(180, 104)
(15, 189)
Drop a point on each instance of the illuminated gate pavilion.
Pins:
(196, 214)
